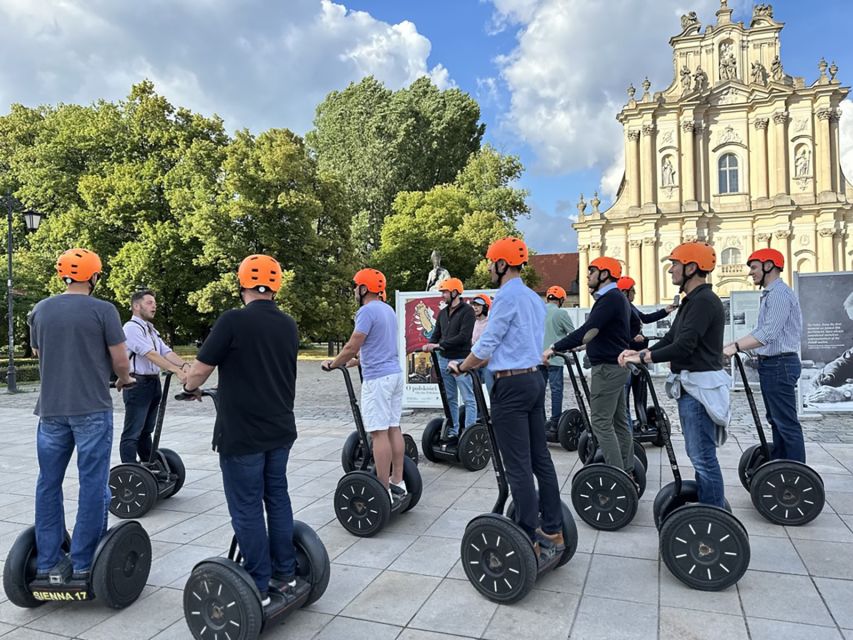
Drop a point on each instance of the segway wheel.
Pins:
(656, 424)
(133, 490)
(414, 483)
(640, 454)
(176, 466)
(667, 501)
(604, 497)
(474, 448)
(218, 600)
(787, 492)
(570, 530)
(429, 439)
(749, 462)
(585, 447)
(352, 453)
(569, 428)
(362, 505)
(639, 471)
(704, 547)
(312, 560)
(20, 568)
(498, 558)
(411, 448)
(121, 566)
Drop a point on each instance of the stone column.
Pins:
(635, 263)
(650, 271)
(838, 183)
(583, 265)
(824, 152)
(762, 240)
(761, 170)
(688, 162)
(780, 155)
(632, 161)
(826, 249)
(701, 162)
(648, 165)
(781, 241)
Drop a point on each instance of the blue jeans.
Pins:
(553, 376)
(57, 436)
(251, 482)
(465, 386)
(699, 438)
(778, 377)
(140, 406)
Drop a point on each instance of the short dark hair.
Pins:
(138, 295)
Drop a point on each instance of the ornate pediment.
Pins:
(728, 94)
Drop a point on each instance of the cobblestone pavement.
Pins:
(407, 583)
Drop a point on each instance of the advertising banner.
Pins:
(826, 349)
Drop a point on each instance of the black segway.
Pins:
(362, 504)
(568, 426)
(587, 445)
(703, 546)
(119, 570)
(221, 600)
(646, 427)
(783, 491)
(497, 554)
(135, 487)
(352, 452)
(472, 448)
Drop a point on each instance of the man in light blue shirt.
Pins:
(776, 340)
(512, 344)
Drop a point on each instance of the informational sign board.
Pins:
(742, 317)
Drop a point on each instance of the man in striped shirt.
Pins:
(776, 340)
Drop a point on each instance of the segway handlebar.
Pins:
(752, 407)
(210, 392)
(497, 461)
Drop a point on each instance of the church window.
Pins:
(728, 171)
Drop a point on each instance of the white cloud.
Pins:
(549, 233)
(258, 64)
(568, 74)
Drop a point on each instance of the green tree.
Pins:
(380, 143)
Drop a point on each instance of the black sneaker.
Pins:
(61, 573)
(282, 584)
(399, 491)
(82, 575)
(265, 599)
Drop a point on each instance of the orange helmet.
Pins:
(701, 253)
(625, 283)
(556, 292)
(512, 250)
(78, 265)
(768, 255)
(452, 284)
(483, 299)
(260, 272)
(371, 278)
(608, 264)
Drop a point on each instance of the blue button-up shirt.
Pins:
(780, 322)
(516, 329)
(142, 338)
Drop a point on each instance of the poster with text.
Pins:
(417, 315)
(742, 318)
(826, 348)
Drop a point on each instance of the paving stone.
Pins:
(357, 630)
(452, 523)
(570, 578)
(632, 541)
(428, 556)
(827, 526)
(782, 597)
(623, 578)
(456, 608)
(827, 559)
(144, 619)
(392, 598)
(416, 634)
(605, 619)
(762, 629)
(345, 583)
(675, 594)
(838, 595)
(679, 624)
(774, 554)
(378, 552)
(517, 621)
(192, 528)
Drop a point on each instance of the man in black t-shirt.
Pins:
(255, 349)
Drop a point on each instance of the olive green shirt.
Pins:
(557, 326)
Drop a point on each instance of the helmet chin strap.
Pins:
(764, 274)
(501, 274)
(599, 282)
(685, 278)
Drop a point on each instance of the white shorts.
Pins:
(382, 402)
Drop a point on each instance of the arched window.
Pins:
(727, 167)
(731, 256)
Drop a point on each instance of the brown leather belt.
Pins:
(513, 372)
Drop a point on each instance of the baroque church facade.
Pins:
(735, 152)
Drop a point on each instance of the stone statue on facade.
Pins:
(438, 273)
(686, 77)
(668, 173)
(581, 207)
(700, 79)
(759, 73)
(776, 69)
(595, 202)
(688, 20)
(728, 63)
(763, 11)
(802, 165)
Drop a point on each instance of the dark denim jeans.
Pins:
(518, 417)
(553, 376)
(699, 431)
(778, 377)
(452, 387)
(57, 436)
(140, 406)
(252, 482)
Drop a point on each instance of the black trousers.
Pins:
(140, 415)
(518, 418)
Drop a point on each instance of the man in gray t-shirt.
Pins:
(78, 340)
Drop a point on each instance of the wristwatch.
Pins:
(643, 355)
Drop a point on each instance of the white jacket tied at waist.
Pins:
(711, 389)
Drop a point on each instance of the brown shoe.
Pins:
(552, 539)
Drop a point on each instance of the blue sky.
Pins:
(550, 75)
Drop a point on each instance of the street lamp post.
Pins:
(32, 218)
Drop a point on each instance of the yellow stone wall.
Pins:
(783, 134)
